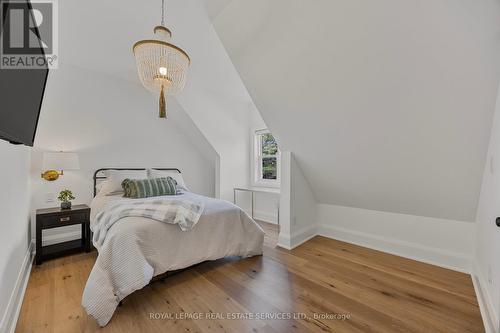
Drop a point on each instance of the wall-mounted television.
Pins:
(21, 92)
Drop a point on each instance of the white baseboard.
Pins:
(303, 235)
(299, 237)
(9, 320)
(490, 317)
(419, 252)
(284, 241)
(430, 255)
(61, 237)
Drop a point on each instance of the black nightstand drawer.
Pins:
(63, 219)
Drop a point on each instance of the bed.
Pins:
(136, 249)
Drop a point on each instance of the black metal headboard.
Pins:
(97, 176)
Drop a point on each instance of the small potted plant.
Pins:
(65, 197)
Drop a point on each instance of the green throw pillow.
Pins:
(144, 188)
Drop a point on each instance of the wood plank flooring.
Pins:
(325, 285)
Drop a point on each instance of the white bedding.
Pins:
(136, 249)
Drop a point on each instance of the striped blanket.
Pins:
(184, 213)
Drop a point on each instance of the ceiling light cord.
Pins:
(163, 12)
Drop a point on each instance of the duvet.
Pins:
(137, 248)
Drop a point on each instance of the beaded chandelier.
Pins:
(161, 65)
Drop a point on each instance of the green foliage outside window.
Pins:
(269, 145)
(269, 160)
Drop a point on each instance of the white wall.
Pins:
(265, 205)
(298, 209)
(285, 232)
(303, 216)
(488, 234)
(14, 225)
(110, 122)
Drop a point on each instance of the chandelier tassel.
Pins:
(163, 104)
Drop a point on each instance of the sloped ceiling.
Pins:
(386, 104)
(214, 7)
(98, 35)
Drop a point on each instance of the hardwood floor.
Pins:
(272, 231)
(329, 286)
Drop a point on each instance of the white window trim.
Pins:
(257, 164)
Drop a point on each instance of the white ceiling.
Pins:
(99, 35)
(386, 104)
(215, 7)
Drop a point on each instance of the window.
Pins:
(267, 159)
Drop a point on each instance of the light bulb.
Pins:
(163, 70)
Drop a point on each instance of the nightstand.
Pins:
(50, 218)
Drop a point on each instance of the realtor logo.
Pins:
(28, 34)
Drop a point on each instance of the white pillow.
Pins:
(103, 183)
(113, 182)
(152, 173)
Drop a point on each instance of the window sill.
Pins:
(259, 189)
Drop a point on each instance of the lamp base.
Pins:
(50, 175)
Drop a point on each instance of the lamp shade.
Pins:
(60, 161)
